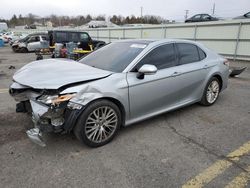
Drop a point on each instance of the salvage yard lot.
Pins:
(193, 146)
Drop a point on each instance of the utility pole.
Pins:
(186, 14)
(141, 14)
(213, 10)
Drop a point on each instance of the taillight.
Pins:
(226, 62)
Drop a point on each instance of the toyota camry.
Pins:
(117, 85)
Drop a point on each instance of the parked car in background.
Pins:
(119, 84)
(245, 16)
(36, 41)
(201, 18)
(30, 43)
(16, 36)
(32, 26)
(7, 36)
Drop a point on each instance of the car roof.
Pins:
(138, 41)
(68, 31)
(155, 41)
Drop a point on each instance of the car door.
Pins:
(33, 43)
(196, 18)
(154, 93)
(192, 70)
(206, 17)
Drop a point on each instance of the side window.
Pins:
(74, 37)
(206, 17)
(33, 39)
(162, 57)
(201, 54)
(61, 36)
(44, 38)
(188, 53)
(197, 17)
(84, 37)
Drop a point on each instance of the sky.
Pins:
(168, 9)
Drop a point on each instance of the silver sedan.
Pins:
(122, 83)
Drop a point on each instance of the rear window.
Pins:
(188, 53)
(84, 37)
(201, 54)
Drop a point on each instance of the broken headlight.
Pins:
(55, 99)
(47, 99)
(74, 106)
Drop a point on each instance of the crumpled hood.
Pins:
(55, 73)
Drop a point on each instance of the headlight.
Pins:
(74, 106)
(55, 99)
(47, 99)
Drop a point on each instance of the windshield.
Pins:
(114, 57)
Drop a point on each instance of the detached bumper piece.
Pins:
(45, 120)
(35, 135)
(234, 71)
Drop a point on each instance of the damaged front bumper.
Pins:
(47, 118)
(50, 110)
(35, 135)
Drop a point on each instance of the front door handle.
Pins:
(176, 74)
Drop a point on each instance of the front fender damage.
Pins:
(86, 95)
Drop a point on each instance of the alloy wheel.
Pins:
(212, 91)
(101, 124)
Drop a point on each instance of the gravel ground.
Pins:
(165, 151)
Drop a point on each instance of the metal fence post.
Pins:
(123, 33)
(109, 36)
(165, 32)
(195, 32)
(141, 32)
(237, 41)
(97, 33)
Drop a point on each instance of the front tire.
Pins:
(211, 92)
(24, 50)
(98, 124)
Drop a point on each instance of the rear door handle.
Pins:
(176, 74)
(205, 66)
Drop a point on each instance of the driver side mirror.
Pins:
(146, 69)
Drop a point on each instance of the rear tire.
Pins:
(99, 45)
(98, 124)
(211, 92)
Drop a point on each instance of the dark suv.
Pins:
(82, 38)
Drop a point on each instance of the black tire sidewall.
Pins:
(79, 129)
(23, 50)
